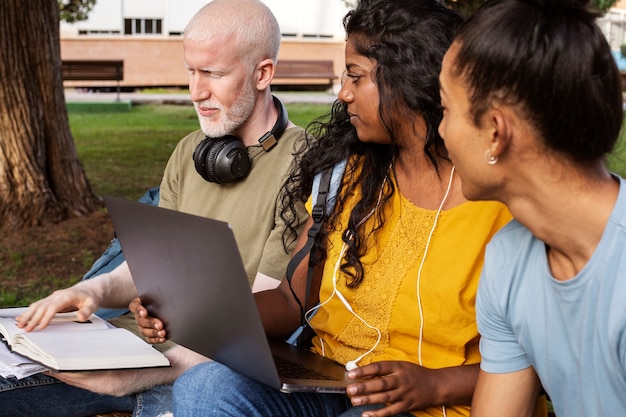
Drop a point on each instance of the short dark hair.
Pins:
(551, 60)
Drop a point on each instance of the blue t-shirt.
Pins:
(572, 332)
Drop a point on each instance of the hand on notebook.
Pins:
(150, 327)
(39, 314)
(403, 386)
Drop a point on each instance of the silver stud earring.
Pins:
(491, 160)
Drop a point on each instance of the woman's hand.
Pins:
(150, 327)
(403, 386)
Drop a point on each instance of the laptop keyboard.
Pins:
(289, 369)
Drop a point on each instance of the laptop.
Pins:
(189, 273)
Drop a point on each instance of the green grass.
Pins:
(125, 153)
(99, 107)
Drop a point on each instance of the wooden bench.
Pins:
(94, 70)
(305, 72)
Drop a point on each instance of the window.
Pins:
(98, 32)
(142, 26)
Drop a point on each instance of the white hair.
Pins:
(251, 22)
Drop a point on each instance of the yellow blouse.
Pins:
(390, 299)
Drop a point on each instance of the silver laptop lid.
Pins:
(186, 266)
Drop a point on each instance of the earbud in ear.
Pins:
(351, 365)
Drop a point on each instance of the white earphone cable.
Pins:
(419, 274)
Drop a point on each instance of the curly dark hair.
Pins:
(407, 40)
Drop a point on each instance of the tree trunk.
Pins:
(41, 178)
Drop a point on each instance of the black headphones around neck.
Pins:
(225, 159)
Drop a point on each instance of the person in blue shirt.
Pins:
(532, 106)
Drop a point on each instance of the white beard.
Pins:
(229, 119)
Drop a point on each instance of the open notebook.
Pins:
(69, 345)
(189, 273)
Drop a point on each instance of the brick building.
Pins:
(147, 36)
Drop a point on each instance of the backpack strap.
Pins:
(335, 182)
(324, 193)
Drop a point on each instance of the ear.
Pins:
(265, 73)
(501, 132)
